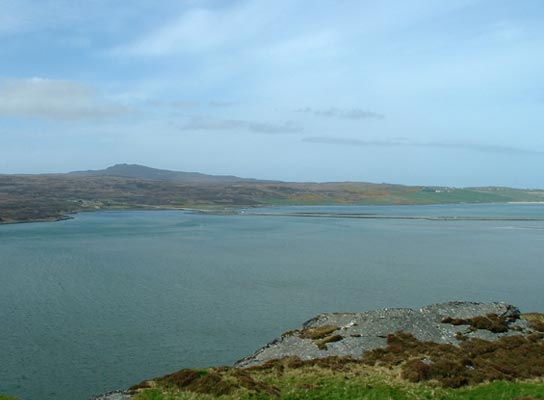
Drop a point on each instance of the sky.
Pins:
(425, 92)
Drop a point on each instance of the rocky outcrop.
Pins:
(352, 334)
(115, 395)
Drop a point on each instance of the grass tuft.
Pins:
(322, 343)
(511, 367)
(220, 381)
(474, 361)
(318, 332)
(490, 322)
(535, 321)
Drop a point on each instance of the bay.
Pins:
(107, 299)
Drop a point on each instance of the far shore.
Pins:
(243, 211)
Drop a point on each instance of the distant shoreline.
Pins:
(242, 211)
(39, 198)
(51, 219)
(380, 216)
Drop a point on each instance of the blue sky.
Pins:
(413, 92)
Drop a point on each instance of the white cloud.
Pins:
(55, 99)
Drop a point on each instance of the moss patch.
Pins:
(214, 381)
(474, 361)
(490, 322)
(318, 332)
(356, 382)
(535, 321)
(321, 335)
(322, 343)
(510, 368)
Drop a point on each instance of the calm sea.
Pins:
(108, 299)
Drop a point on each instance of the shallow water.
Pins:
(107, 299)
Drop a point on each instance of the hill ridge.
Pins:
(139, 171)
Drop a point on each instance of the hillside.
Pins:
(455, 350)
(50, 197)
(136, 171)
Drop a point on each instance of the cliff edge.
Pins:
(450, 345)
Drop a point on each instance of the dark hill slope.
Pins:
(142, 172)
(46, 197)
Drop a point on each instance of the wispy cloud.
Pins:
(189, 32)
(333, 112)
(27, 16)
(192, 104)
(198, 29)
(55, 99)
(485, 148)
(216, 124)
(184, 104)
(220, 104)
(175, 103)
(213, 124)
(286, 127)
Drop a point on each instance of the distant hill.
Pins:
(47, 197)
(142, 172)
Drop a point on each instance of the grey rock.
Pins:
(467, 309)
(361, 332)
(116, 395)
(366, 331)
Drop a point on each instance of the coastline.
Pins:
(242, 211)
(380, 216)
(445, 346)
(51, 219)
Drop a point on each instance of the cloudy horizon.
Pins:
(414, 92)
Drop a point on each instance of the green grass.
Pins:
(511, 367)
(410, 195)
(312, 386)
(4, 397)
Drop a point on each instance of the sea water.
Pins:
(108, 299)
